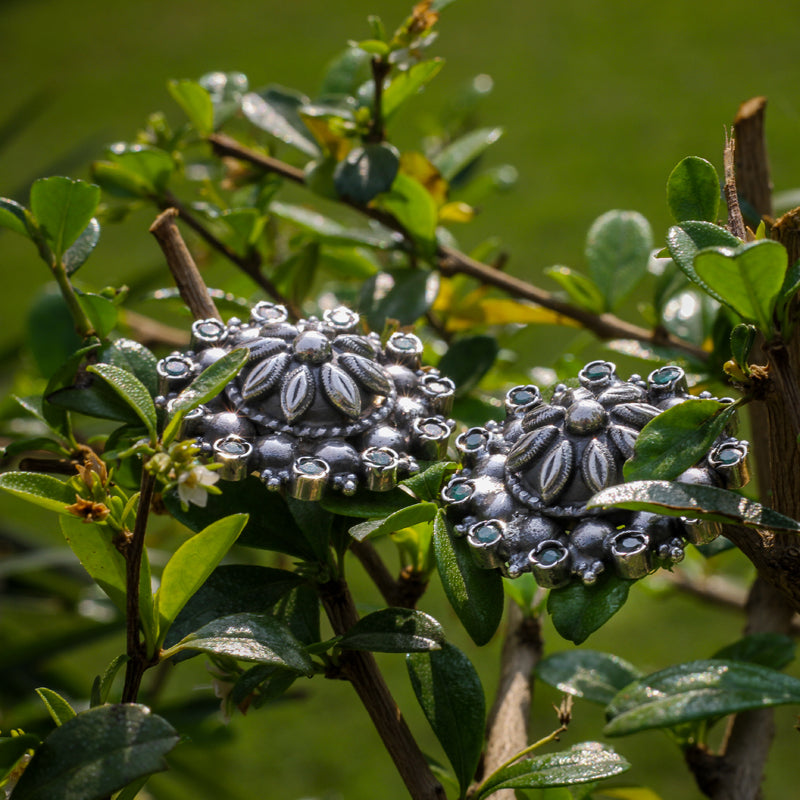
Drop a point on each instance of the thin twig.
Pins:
(735, 221)
(380, 69)
(452, 261)
(181, 264)
(150, 332)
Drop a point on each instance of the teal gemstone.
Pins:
(550, 556)
(176, 368)
(234, 448)
(434, 430)
(523, 397)
(629, 544)
(459, 491)
(474, 441)
(404, 343)
(666, 375)
(209, 328)
(379, 458)
(486, 533)
(598, 371)
(729, 455)
(311, 468)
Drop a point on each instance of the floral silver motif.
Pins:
(319, 404)
(520, 497)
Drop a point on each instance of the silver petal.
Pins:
(621, 393)
(623, 438)
(263, 347)
(530, 447)
(545, 415)
(636, 415)
(341, 390)
(297, 392)
(367, 373)
(555, 471)
(597, 466)
(354, 344)
(265, 376)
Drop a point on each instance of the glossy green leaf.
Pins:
(458, 155)
(191, 564)
(394, 630)
(196, 104)
(294, 277)
(697, 690)
(247, 224)
(248, 637)
(404, 518)
(579, 609)
(116, 745)
(693, 191)
(51, 335)
(147, 166)
(300, 610)
(12, 748)
(41, 490)
(589, 674)
(450, 693)
(209, 383)
(232, 589)
(581, 763)
(77, 253)
(686, 240)
(349, 263)
(275, 111)
(374, 47)
(413, 206)
(33, 443)
(683, 499)
(131, 791)
(101, 687)
(133, 357)
(743, 338)
(96, 400)
(120, 182)
(12, 216)
(132, 391)
(772, 650)
(467, 360)
(345, 72)
(367, 505)
(94, 547)
(791, 283)
(101, 312)
(63, 208)
(315, 524)
(475, 594)
(366, 172)
(748, 278)
(403, 295)
(427, 484)
(618, 249)
(677, 439)
(58, 708)
(407, 83)
(270, 526)
(581, 290)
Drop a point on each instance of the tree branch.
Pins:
(752, 164)
(362, 671)
(403, 592)
(451, 261)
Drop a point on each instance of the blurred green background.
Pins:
(599, 100)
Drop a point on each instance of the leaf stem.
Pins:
(83, 325)
(380, 69)
(138, 661)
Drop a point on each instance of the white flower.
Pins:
(193, 485)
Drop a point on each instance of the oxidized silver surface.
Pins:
(318, 404)
(520, 498)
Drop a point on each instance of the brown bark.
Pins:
(752, 164)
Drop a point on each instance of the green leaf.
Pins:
(367, 505)
(677, 439)
(618, 249)
(58, 708)
(683, 499)
(130, 389)
(697, 690)
(97, 753)
(51, 334)
(394, 630)
(693, 190)
(101, 311)
(458, 155)
(413, 206)
(146, 167)
(275, 111)
(63, 208)
(82, 247)
(791, 283)
(772, 650)
(120, 182)
(450, 693)
(133, 357)
(747, 279)
(196, 104)
(33, 443)
(581, 763)
(96, 400)
(232, 589)
(579, 609)
(404, 518)
(248, 637)
(41, 490)
(743, 338)
(12, 216)
(475, 594)
(412, 293)
(294, 277)
(685, 241)
(467, 360)
(101, 687)
(270, 526)
(427, 485)
(12, 748)
(191, 564)
(345, 72)
(208, 384)
(315, 524)
(407, 83)
(366, 172)
(595, 676)
(373, 47)
(581, 290)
